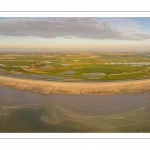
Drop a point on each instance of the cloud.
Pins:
(88, 28)
(59, 26)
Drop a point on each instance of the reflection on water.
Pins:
(24, 111)
(93, 74)
(130, 63)
(68, 72)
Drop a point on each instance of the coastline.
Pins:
(89, 88)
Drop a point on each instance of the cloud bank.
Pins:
(88, 28)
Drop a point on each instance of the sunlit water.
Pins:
(24, 111)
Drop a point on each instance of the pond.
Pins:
(130, 63)
(45, 67)
(34, 76)
(45, 77)
(66, 65)
(93, 74)
(20, 66)
(68, 72)
(136, 65)
(93, 78)
(48, 62)
(2, 65)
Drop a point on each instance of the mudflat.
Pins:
(90, 88)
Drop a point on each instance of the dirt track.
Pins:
(91, 88)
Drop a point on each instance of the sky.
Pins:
(75, 34)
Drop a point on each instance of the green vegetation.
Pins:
(115, 66)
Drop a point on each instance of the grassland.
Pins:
(113, 66)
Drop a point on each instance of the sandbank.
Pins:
(90, 88)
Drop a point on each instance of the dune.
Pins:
(90, 88)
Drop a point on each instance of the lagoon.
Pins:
(25, 111)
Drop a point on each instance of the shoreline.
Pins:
(88, 88)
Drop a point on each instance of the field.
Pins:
(83, 66)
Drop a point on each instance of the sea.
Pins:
(30, 112)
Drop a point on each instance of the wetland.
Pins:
(75, 93)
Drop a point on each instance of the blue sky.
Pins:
(101, 34)
(144, 23)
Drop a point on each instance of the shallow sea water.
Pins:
(25, 111)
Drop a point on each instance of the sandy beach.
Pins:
(90, 88)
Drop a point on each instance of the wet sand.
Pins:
(25, 111)
(90, 88)
(80, 103)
